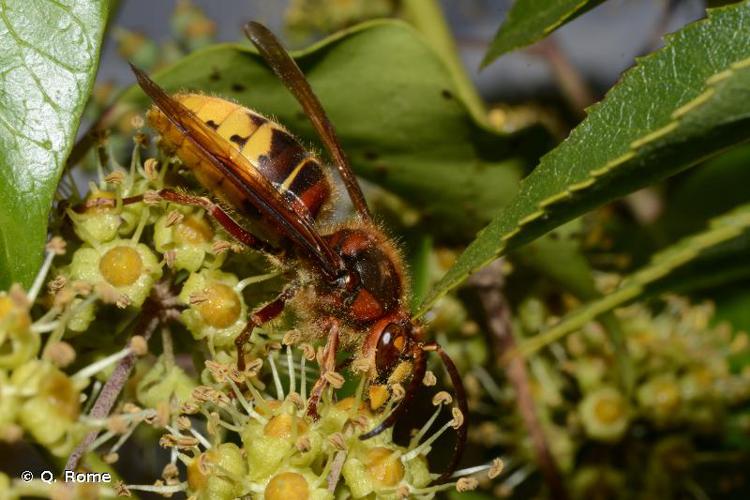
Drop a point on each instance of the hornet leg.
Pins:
(263, 315)
(328, 363)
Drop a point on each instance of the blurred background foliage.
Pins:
(646, 400)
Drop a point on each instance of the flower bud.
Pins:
(83, 317)
(18, 343)
(532, 314)
(99, 222)
(661, 399)
(698, 383)
(218, 473)
(162, 384)
(449, 315)
(9, 406)
(190, 238)
(673, 455)
(589, 372)
(51, 415)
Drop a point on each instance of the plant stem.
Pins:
(489, 282)
(167, 347)
(335, 474)
(147, 324)
(427, 17)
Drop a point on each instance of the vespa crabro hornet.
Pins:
(352, 277)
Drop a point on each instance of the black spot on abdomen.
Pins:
(239, 140)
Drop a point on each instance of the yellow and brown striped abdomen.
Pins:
(273, 151)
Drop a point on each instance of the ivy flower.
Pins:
(281, 453)
(217, 309)
(18, 343)
(187, 233)
(128, 267)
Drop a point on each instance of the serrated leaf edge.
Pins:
(596, 174)
(636, 145)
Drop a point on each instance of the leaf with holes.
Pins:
(531, 20)
(394, 105)
(682, 104)
(44, 85)
(722, 234)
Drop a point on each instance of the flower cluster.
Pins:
(602, 432)
(278, 451)
(133, 265)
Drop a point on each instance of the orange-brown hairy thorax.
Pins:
(379, 282)
(265, 144)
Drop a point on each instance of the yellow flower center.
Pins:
(196, 478)
(200, 468)
(62, 395)
(347, 404)
(121, 266)
(384, 467)
(271, 405)
(608, 409)
(193, 231)
(222, 306)
(287, 486)
(281, 426)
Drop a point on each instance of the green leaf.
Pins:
(733, 305)
(677, 107)
(711, 189)
(558, 256)
(730, 228)
(419, 268)
(394, 105)
(428, 18)
(531, 20)
(50, 51)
